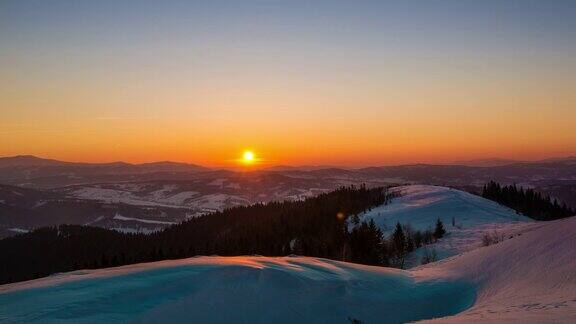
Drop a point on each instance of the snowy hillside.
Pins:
(421, 205)
(529, 278)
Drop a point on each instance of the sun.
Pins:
(248, 157)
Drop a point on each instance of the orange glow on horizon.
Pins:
(247, 159)
(342, 85)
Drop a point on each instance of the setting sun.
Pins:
(248, 157)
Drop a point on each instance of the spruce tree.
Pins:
(439, 231)
(399, 245)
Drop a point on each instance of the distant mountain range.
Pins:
(50, 166)
(145, 197)
(23, 161)
(491, 162)
(46, 172)
(486, 162)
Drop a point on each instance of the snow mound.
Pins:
(249, 289)
(421, 205)
(529, 279)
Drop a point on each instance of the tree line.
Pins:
(316, 227)
(368, 244)
(528, 202)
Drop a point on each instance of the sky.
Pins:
(350, 83)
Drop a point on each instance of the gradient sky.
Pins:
(300, 82)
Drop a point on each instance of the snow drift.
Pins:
(235, 289)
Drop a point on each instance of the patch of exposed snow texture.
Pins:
(18, 230)
(233, 185)
(139, 230)
(167, 196)
(421, 205)
(147, 221)
(296, 194)
(39, 203)
(217, 182)
(99, 218)
(162, 193)
(214, 202)
(113, 196)
(180, 199)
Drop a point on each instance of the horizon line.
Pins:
(296, 166)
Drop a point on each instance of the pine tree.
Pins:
(439, 231)
(399, 245)
(366, 244)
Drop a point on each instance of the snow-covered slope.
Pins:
(421, 205)
(530, 278)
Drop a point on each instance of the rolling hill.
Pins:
(466, 217)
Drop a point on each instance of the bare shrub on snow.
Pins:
(430, 255)
(492, 238)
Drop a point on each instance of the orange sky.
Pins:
(331, 85)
